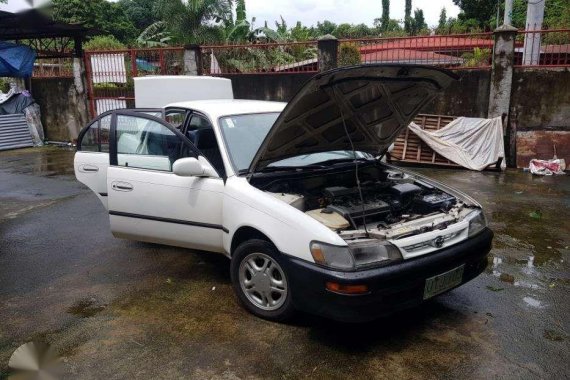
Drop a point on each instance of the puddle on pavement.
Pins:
(533, 302)
(86, 307)
(530, 216)
(45, 161)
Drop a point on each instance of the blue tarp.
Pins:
(145, 65)
(16, 60)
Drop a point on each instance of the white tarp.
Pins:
(470, 142)
(214, 65)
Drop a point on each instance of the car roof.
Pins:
(224, 107)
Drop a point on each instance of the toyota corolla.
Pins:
(296, 195)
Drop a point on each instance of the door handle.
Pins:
(90, 168)
(122, 186)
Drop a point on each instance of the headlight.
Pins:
(332, 256)
(374, 252)
(356, 255)
(477, 222)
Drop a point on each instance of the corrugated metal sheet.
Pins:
(14, 132)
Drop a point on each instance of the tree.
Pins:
(408, 17)
(99, 14)
(326, 27)
(300, 32)
(195, 21)
(419, 24)
(141, 13)
(342, 30)
(481, 10)
(442, 23)
(557, 14)
(393, 28)
(241, 29)
(385, 15)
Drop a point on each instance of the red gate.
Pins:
(110, 74)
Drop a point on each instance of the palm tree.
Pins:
(194, 21)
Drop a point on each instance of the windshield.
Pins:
(244, 134)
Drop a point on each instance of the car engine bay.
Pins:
(389, 204)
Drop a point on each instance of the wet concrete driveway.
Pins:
(118, 309)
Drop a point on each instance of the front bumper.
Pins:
(391, 288)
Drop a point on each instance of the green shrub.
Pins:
(103, 43)
(348, 55)
(479, 57)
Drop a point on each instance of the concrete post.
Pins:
(78, 94)
(507, 20)
(502, 72)
(192, 60)
(327, 52)
(534, 18)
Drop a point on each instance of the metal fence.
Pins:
(458, 51)
(542, 48)
(110, 73)
(276, 58)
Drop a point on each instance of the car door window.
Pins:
(89, 140)
(175, 117)
(202, 135)
(95, 138)
(147, 144)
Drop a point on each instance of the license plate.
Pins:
(442, 282)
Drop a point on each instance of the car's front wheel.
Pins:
(260, 281)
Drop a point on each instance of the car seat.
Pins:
(205, 140)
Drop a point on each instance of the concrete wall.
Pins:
(467, 97)
(540, 99)
(278, 87)
(64, 112)
(540, 107)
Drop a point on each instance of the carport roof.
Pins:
(32, 24)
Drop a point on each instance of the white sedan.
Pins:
(294, 194)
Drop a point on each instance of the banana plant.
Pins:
(154, 35)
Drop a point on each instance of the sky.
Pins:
(339, 11)
(311, 11)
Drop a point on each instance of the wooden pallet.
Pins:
(409, 148)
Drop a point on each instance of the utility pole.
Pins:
(507, 20)
(534, 17)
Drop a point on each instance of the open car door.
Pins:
(146, 200)
(92, 158)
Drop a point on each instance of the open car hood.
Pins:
(375, 101)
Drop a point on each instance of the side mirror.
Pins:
(191, 167)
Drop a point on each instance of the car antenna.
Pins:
(356, 172)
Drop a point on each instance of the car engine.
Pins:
(383, 199)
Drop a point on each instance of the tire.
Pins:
(260, 281)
